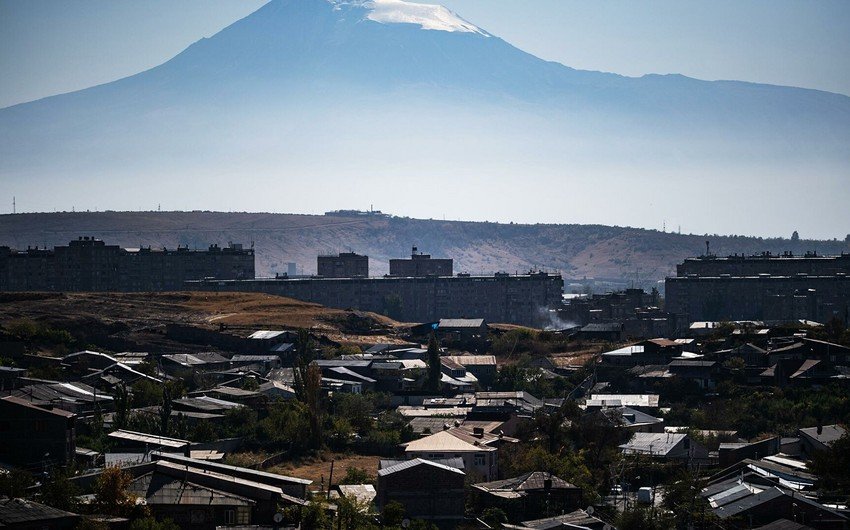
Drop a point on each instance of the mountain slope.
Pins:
(321, 104)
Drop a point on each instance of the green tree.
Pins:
(355, 475)
(146, 393)
(15, 483)
(494, 517)
(149, 523)
(165, 410)
(435, 368)
(122, 407)
(641, 518)
(393, 514)
(314, 516)
(354, 514)
(59, 492)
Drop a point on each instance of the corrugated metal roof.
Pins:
(265, 334)
(410, 464)
(150, 439)
(629, 400)
(460, 323)
(652, 443)
(474, 360)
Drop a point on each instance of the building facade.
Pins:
(521, 299)
(89, 264)
(764, 287)
(343, 265)
(420, 265)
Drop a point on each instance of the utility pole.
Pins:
(14, 206)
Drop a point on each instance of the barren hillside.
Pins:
(137, 321)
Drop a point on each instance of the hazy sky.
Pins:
(49, 47)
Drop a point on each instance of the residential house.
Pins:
(483, 367)
(479, 455)
(748, 501)
(576, 520)
(33, 436)
(675, 447)
(819, 438)
(24, 514)
(529, 495)
(427, 490)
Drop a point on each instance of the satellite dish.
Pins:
(405, 523)
(590, 510)
(278, 517)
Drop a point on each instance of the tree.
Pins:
(14, 483)
(354, 514)
(165, 411)
(393, 514)
(355, 475)
(312, 398)
(122, 406)
(60, 493)
(149, 523)
(795, 237)
(435, 368)
(641, 518)
(494, 517)
(111, 493)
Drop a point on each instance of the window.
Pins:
(229, 516)
(479, 459)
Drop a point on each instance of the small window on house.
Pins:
(229, 516)
(38, 426)
(479, 459)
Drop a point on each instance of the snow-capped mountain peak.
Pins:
(426, 16)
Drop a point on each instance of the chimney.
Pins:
(478, 432)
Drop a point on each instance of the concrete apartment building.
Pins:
(343, 265)
(513, 299)
(89, 264)
(420, 265)
(763, 287)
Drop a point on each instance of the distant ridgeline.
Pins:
(88, 264)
